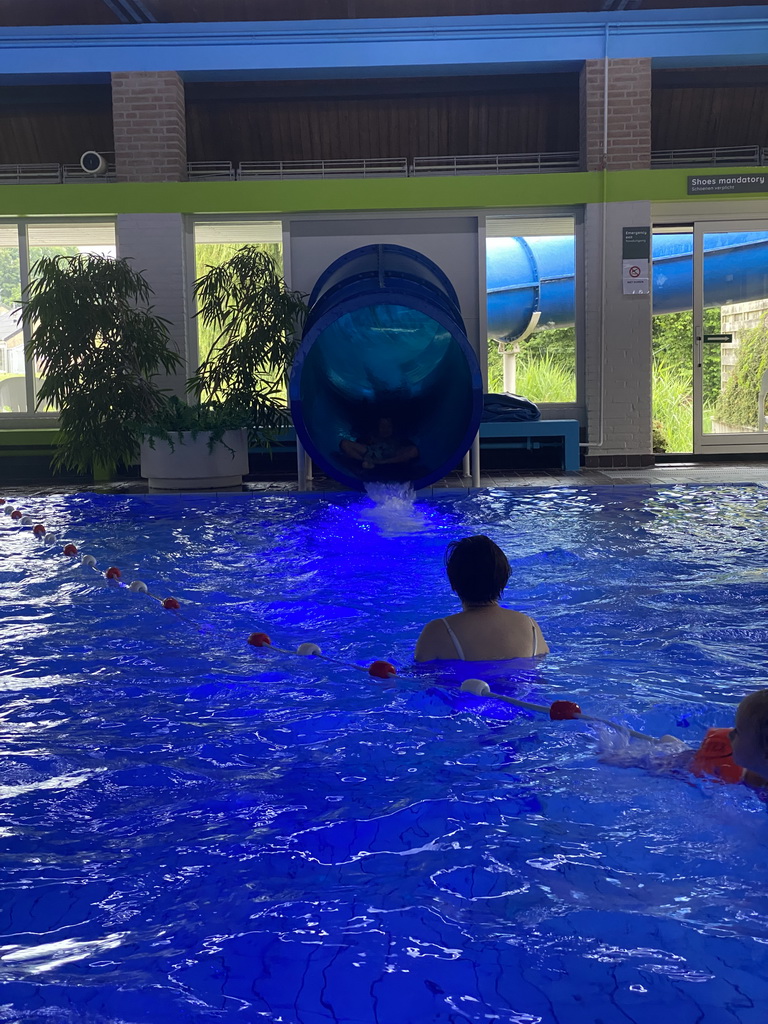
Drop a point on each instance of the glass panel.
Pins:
(735, 367)
(531, 299)
(13, 397)
(68, 238)
(672, 341)
(217, 241)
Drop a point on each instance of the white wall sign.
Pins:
(635, 277)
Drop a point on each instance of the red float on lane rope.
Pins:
(113, 573)
(38, 530)
(171, 602)
(564, 709)
(382, 669)
(15, 514)
(69, 549)
(259, 640)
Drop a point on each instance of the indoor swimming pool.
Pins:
(196, 830)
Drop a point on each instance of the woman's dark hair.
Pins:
(477, 568)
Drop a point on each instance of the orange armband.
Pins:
(715, 758)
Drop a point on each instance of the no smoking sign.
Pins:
(635, 276)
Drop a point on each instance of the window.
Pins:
(38, 238)
(217, 240)
(530, 272)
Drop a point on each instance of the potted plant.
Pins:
(239, 388)
(97, 344)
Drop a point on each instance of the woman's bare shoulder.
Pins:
(431, 641)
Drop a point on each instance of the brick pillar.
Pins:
(629, 114)
(149, 123)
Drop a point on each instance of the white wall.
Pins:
(618, 353)
(159, 245)
(450, 242)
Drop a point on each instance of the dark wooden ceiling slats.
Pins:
(54, 124)
(97, 12)
(698, 108)
(239, 123)
(692, 109)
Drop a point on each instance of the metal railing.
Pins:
(508, 163)
(30, 174)
(210, 170)
(718, 156)
(73, 174)
(386, 167)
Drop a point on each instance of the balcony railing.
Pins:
(509, 163)
(719, 156)
(30, 174)
(50, 174)
(73, 174)
(387, 167)
(221, 170)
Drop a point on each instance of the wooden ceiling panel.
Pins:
(98, 12)
(698, 118)
(45, 124)
(237, 125)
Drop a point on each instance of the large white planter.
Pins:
(190, 466)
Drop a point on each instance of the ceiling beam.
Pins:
(130, 12)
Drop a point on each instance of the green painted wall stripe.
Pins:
(357, 194)
(45, 437)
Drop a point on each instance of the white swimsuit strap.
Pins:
(455, 640)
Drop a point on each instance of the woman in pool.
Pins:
(478, 571)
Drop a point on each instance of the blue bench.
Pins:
(526, 434)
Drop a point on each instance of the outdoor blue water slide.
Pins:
(384, 339)
(526, 276)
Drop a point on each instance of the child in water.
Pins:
(726, 755)
(739, 754)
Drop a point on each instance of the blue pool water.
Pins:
(193, 830)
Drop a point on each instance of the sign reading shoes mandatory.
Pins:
(722, 184)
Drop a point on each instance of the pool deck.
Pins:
(731, 472)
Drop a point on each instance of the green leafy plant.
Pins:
(213, 254)
(256, 322)
(98, 344)
(175, 417)
(546, 366)
(737, 403)
(545, 379)
(672, 408)
(660, 443)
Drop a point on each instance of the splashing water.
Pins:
(615, 747)
(393, 510)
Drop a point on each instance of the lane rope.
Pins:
(559, 710)
(70, 550)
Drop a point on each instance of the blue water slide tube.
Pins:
(526, 276)
(384, 340)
